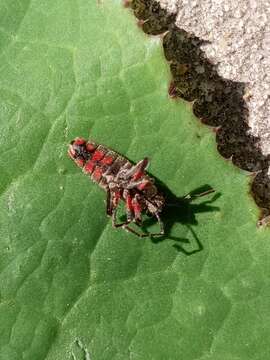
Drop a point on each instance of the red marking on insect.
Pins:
(115, 200)
(138, 175)
(136, 206)
(89, 167)
(143, 185)
(97, 174)
(98, 155)
(79, 162)
(79, 141)
(122, 180)
(107, 160)
(129, 202)
(90, 147)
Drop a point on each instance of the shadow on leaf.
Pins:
(183, 210)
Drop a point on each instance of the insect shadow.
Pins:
(183, 210)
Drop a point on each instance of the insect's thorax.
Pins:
(122, 180)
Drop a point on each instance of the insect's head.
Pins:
(80, 150)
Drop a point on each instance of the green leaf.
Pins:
(71, 287)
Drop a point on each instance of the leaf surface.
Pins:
(71, 286)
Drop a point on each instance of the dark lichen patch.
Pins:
(155, 20)
(217, 102)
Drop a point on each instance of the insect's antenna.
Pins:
(195, 196)
(188, 198)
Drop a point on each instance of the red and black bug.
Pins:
(122, 180)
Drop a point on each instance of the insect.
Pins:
(121, 180)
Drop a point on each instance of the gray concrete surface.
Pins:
(238, 35)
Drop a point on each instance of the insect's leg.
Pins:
(137, 209)
(129, 207)
(141, 235)
(129, 211)
(132, 209)
(194, 196)
(161, 226)
(113, 198)
(137, 212)
(114, 221)
(125, 225)
(188, 198)
(128, 228)
(109, 208)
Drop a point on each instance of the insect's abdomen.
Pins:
(104, 164)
